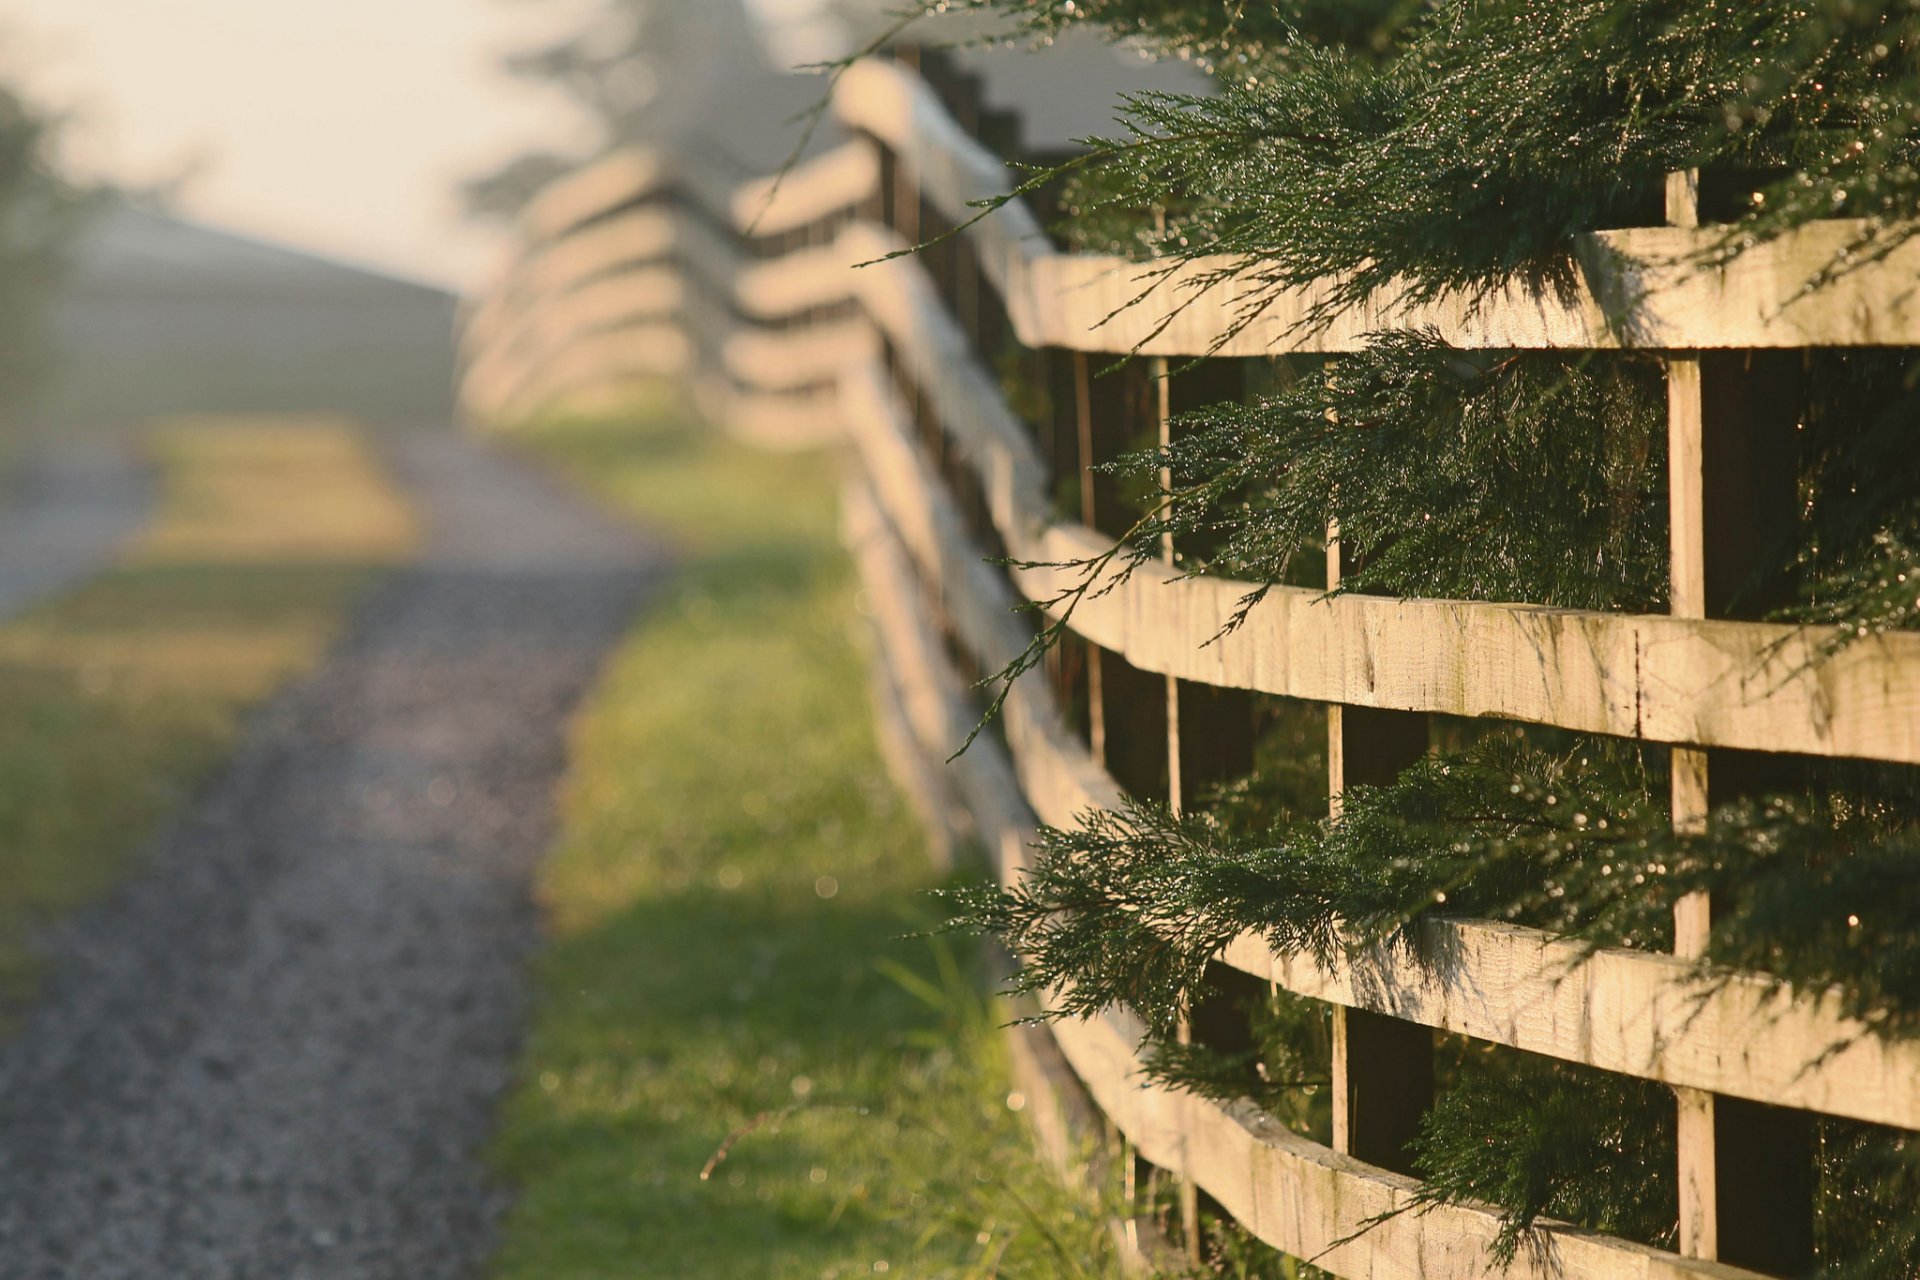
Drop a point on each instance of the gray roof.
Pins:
(165, 315)
(1072, 88)
(125, 246)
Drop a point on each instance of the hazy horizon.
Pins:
(344, 131)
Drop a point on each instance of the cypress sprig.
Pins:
(1852, 558)
(1545, 1139)
(1499, 131)
(1128, 910)
(1867, 1201)
(1816, 889)
(1288, 1063)
(1532, 476)
(1462, 152)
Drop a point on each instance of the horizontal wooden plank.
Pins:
(954, 173)
(629, 240)
(644, 352)
(1630, 288)
(900, 300)
(943, 819)
(780, 287)
(779, 421)
(936, 702)
(1749, 685)
(1312, 1202)
(926, 692)
(590, 191)
(1052, 765)
(587, 297)
(787, 359)
(812, 190)
(654, 292)
(1637, 1013)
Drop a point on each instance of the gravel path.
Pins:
(275, 1053)
(72, 503)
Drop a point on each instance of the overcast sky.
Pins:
(337, 125)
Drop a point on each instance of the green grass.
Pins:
(118, 699)
(726, 905)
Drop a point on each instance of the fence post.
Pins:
(1209, 741)
(1382, 1067)
(906, 184)
(1113, 413)
(1212, 726)
(1745, 1169)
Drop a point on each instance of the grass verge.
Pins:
(727, 901)
(117, 699)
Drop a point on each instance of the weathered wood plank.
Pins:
(1637, 1013)
(590, 191)
(1066, 1124)
(1758, 686)
(938, 706)
(780, 421)
(787, 359)
(1314, 1203)
(786, 286)
(648, 351)
(653, 292)
(1633, 288)
(629, 239)
(813, 189)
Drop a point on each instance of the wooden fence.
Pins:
(644, 266)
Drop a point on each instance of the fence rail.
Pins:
(643, 266)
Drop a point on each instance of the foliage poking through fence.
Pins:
(1497, 132)
(1533, 476)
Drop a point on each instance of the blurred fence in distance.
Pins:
(968, 379)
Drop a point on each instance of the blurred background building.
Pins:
(164, 315)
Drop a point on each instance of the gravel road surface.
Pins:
(276, 1052)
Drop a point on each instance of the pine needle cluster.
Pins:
(1495, 132)
(1814, 888)
(1535, 476)
(1574, 1144)
(1852, 558)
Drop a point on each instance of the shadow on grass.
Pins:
(768, 1017)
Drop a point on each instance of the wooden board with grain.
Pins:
(1642, 287)
(1309, 1201)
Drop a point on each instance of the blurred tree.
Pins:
(39, 213)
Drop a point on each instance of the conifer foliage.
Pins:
(39, 213)
(1535, 476)
(1387, 151)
